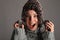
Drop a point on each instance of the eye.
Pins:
(35, 15)
(29, 17)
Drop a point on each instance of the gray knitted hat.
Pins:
(32, 5)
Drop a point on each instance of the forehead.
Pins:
(31, 12)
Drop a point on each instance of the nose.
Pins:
(31, 19)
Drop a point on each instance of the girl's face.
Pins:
(32, 20)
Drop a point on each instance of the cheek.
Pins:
(36, 20)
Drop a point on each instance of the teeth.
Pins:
(33, 25)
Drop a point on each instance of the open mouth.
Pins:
(32, 26)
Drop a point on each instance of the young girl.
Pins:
(33, 27)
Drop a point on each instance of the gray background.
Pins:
(10, 11)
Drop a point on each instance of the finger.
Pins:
(16, 25)
(48, 27)
(50, 24)
(22, 26)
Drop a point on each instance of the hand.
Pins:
(17, 24)
(49, 26)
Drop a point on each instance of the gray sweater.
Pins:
(21, 34)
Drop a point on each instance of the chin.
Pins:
(33, 29)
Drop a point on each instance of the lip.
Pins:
(32, 26)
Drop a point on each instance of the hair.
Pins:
(36, 6)
(32, 5)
